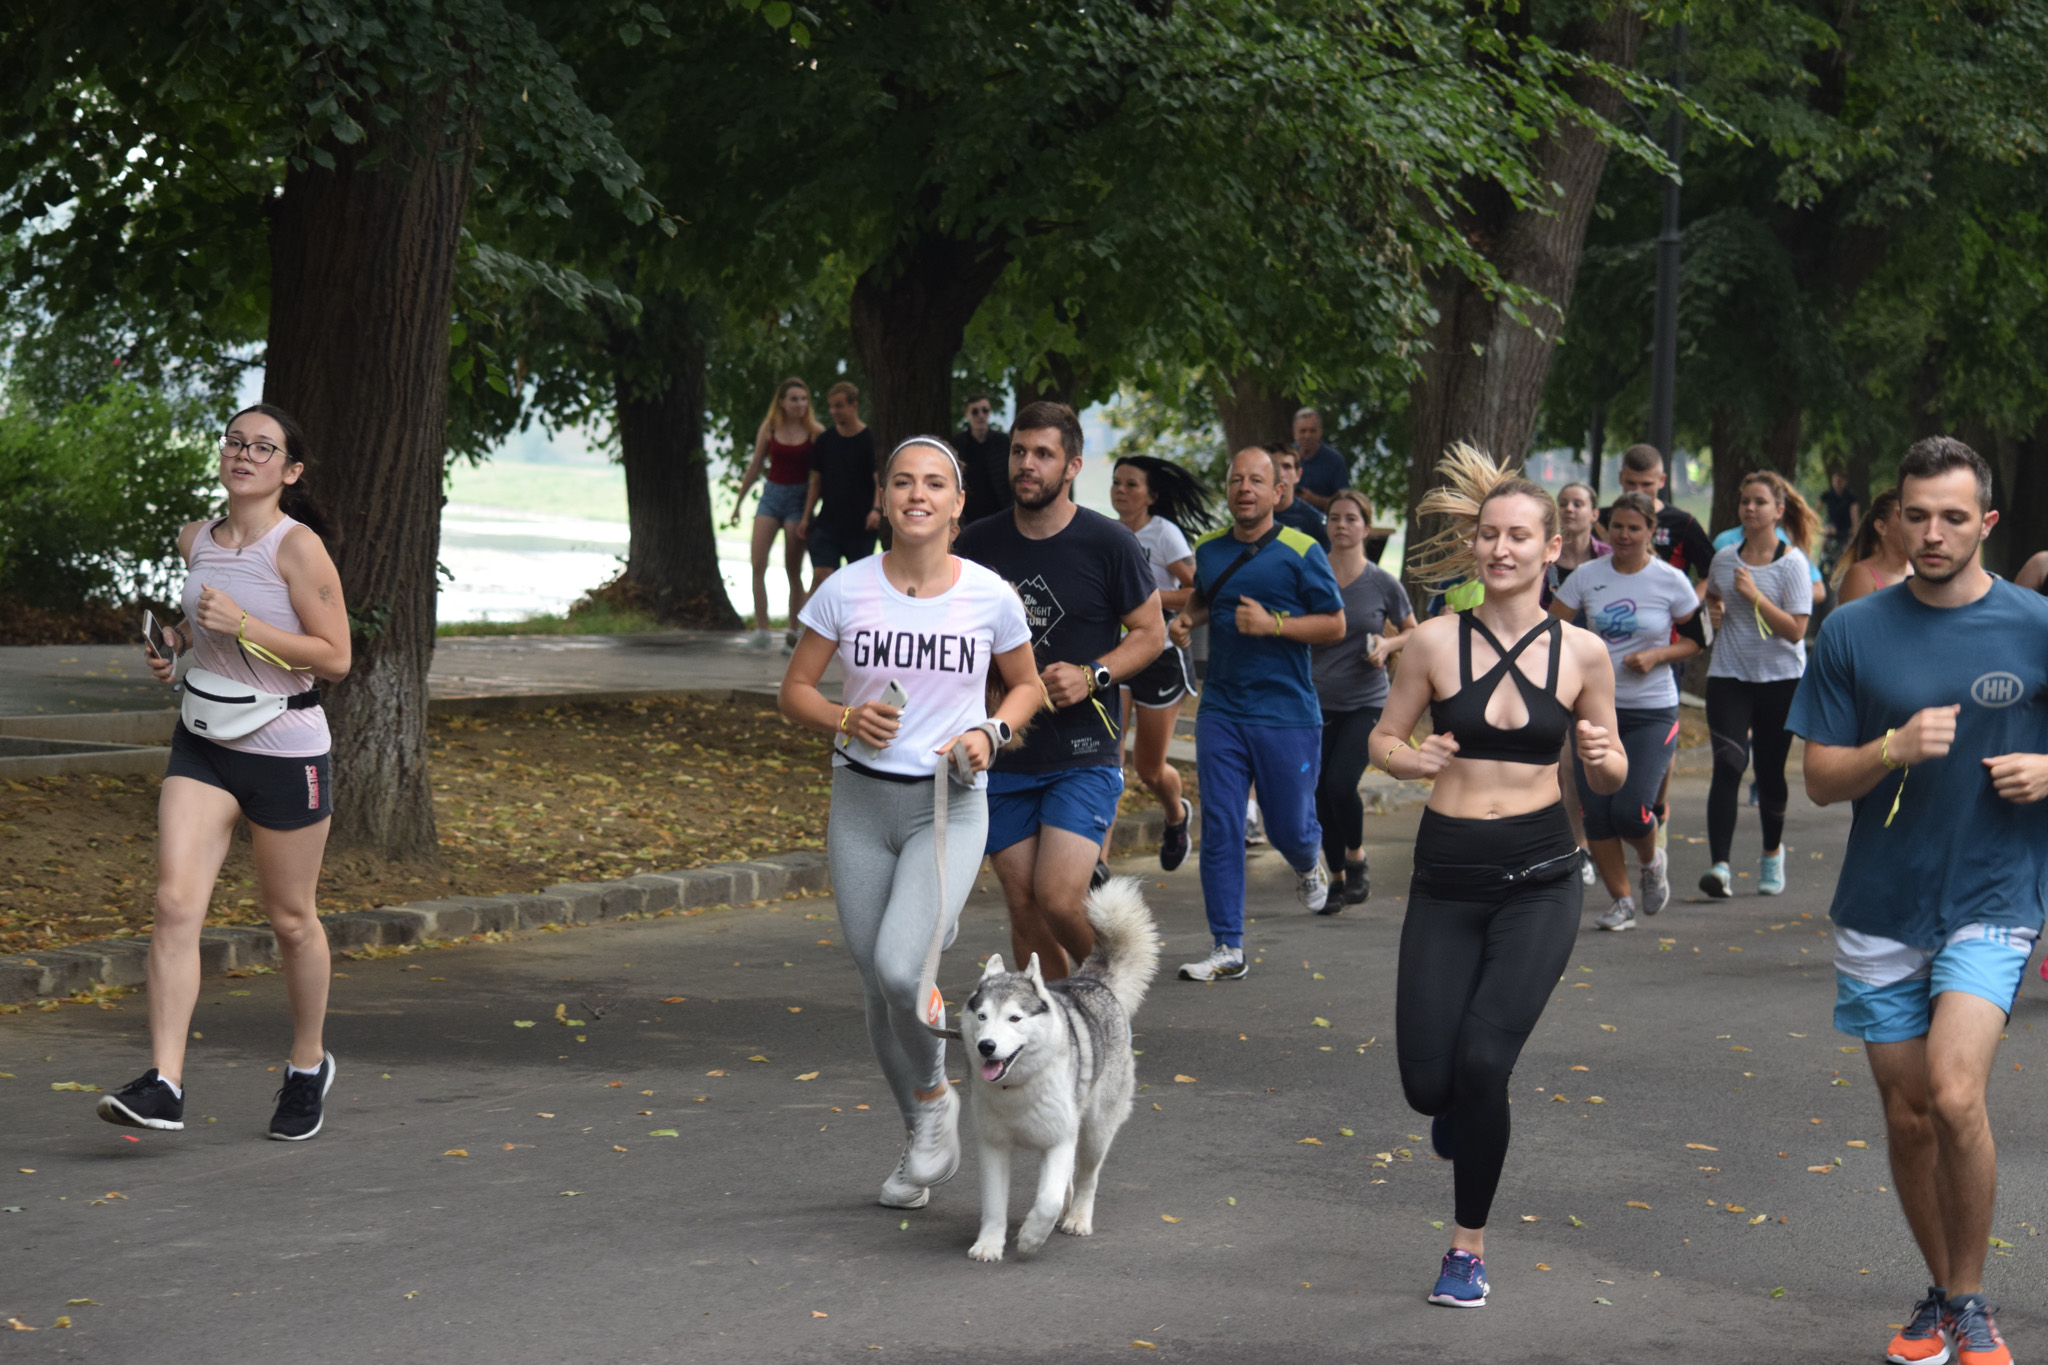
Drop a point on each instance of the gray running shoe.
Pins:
(1656, 883)
(1312, 887)
(1621, 915)
(1222, 964)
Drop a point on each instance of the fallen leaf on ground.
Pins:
(81, 1303)
(715, 1073)
(1596, 1099)
(456, 1151)
(1700, 1147)
(1582, 1068)
(674, 999)
(617, 1148)
(1143, 1346)
(570, 1194)
(1541, 1266)
(61, 1322)
(664, 1132)
(541, 1114)
(1310, 1142)
(1820, 1170)
(614, 1085)
(1168, 1218)
(1733, 1208)
(1608, 1028)
(816, 1314)
(1855, 1142)
(808, 1076)
(757, 1057)
(1183, 1080)
(795, 1009)
(1779, 1292)
(1532, 1217)
(1573, 1219)
(1608, 1302)
(1637, 1204)
(71, 1085)
(1758, 1219)
(522, 1023)
(1345, 1132)
(1320, 1022)
(18, 1325)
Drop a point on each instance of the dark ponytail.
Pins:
(296, 500)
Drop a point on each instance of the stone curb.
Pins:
(84, 967)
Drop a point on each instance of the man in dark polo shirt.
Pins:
(1324, 470)
(1089, 594)
(985, 455)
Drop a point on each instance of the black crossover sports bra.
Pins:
(1463, 714)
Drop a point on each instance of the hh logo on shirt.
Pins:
(1041, 609)
(1997, 689)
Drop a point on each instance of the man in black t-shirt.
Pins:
(843, 479)
(1839, 506)
(1095, 621)
(985, 460)
(1293, 509)
(1679, 539)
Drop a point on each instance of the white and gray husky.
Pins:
(1054, 1072)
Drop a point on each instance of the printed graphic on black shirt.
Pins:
(1077, 587)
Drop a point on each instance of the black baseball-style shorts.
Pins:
(274, 792)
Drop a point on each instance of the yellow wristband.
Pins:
(1279, 620)
(845, 717)
(1884, 751)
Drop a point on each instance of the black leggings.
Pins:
(1346, 756)
(1650, 737)
(1478, 963)
(1740, 714)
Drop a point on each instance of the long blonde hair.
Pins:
(1795, 518)
(1471, 479)
(774, 417)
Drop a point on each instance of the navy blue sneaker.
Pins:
(1440, 1136)
(1462, 1284)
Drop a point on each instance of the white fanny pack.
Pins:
(217, 707)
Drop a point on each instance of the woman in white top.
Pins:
(1633, 601)
(1759, 592)
(263, 609)
(918, 622)
(1160, 502)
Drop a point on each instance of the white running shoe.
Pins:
(1656, 883)
(1254, 825)
(934, 1153)
(761, 639)
(1312, 887)
(1222, 964)
(899, 1193)
(1621, 915)
(1717, 882)
(1770, 874)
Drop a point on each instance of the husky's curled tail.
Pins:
(1126, 954)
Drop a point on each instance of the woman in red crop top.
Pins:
(783, 445)
(1494, 906)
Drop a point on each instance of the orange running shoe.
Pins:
(1924, 1341)
(1975, 1333)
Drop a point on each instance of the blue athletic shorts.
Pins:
(1884, 989)
(783, 502)
(1082, 800)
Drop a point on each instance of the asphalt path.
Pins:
(1279, 1206)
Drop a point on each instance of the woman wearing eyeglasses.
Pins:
(263, 611)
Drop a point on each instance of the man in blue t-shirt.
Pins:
(1927, 706)
(1267, 592)
(1324, 470)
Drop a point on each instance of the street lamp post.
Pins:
(1664, 345)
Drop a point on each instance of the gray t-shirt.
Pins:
(1345, 679)
(1743, 649)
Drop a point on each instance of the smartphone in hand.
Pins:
(155, 637)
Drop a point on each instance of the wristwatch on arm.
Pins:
(998, 731)
(1099, 679)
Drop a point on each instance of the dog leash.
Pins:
(928, 980)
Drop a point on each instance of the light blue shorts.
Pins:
(1884, 989)
(783, 502)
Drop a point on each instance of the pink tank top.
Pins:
(250, 576)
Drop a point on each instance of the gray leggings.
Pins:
(880, 847)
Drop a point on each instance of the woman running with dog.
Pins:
(918, 633)
(1160, 502)
(264, 623)
(1494, 905)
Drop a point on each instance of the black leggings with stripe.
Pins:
(1741, 715)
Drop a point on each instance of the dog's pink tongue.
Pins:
(991, 1071)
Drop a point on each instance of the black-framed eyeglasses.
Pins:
(255, 452)
(977, 412)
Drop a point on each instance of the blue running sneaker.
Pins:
(1440, 1136)
(1770, 874)
(1462, 1284)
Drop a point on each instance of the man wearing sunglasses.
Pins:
(985, 454)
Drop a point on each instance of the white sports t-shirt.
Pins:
(1632, 611)
(1163, 544)
(939, 648)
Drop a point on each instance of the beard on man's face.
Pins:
(1046, 496)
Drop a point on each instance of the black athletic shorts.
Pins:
(1164, 681)
(274, 792)
(833, 545)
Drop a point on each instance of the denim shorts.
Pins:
(1081, 800)
(1884, 990)
(783, 502)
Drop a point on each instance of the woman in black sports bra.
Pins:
(1494, 905)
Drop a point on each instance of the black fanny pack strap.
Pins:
(305, 700)
(1215, 590)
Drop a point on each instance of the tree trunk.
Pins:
(1778, 451)
(1252, 414)
(672, 560)
(1596, 448)
(362, 273)
(1482, 371)
(1059, 380)
(909, 316)
(2019, 469)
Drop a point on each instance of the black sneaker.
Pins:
(298, 1115)
(1357, 883)
(145, 1102)
(1175, 843)
(1098, 876)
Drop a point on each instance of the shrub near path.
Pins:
(523, 801)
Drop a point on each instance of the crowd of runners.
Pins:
(994, 656)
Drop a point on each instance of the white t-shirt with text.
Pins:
(1163, 544)
(1632, 611)
(940, 649)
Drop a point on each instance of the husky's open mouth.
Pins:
(995, 1068)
